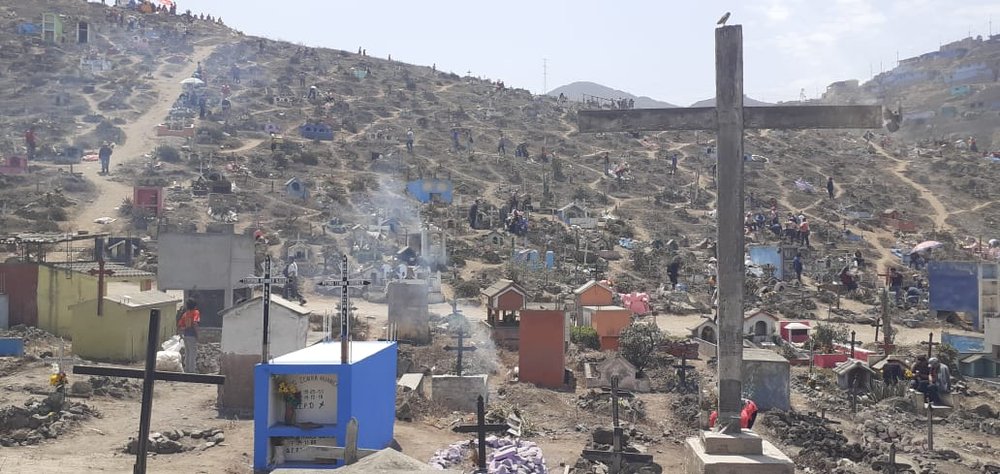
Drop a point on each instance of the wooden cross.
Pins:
(729, 118)
(617, 453)
(345, 285)
(930, 345)
(148, 376)
(481, 428)
(460, 349)
(266, 281)
(877, 324)
(100, 272)
(891, 466)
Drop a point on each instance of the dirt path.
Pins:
(140, 139)
(939, 214)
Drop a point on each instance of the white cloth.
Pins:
(293, 269)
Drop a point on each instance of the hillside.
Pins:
(304, 145)
(577, 90)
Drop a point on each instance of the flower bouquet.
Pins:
(292, 397)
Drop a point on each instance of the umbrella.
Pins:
(193, 80)
(925, 245)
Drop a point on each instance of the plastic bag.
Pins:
(174, 344)
(169, 361)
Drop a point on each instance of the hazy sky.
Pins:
(663, 49)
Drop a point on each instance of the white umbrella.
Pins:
(926, 245)
(193, 81)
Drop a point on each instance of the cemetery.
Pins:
(368, 304)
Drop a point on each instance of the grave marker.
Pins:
(266, 281)
(148, 376)
(345, 307)
(729, 118)
(481, 428)
(617, 453)
(460, 349)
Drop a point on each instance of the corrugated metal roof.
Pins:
(976, 357)
(119, 271)
(501, 286)
(143, 299)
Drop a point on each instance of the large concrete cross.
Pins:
(729, 118)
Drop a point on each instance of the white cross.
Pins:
(267, 280)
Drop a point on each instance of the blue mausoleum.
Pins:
(332, 393)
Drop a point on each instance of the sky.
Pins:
(658, 48)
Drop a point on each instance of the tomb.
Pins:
(431, 190)
(504, 299)
(148, 199)
(766, 379)
(14, 165)
(122, 249)
(496, 238)
(853, 374)
(575, 214)
(794, 331)
(52, 28)
(594, 308)
(600, 374)
(82, 32)
(288, 328)
(541, 346)
(121, 332)
(293, 431)
(316, 131)
(456, 392)
(175, 130)
(296, 189)
(707, 330)
(981, 365)
(760, 324)
(408, 313)
(212, 273)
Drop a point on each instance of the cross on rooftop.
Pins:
(729, 118)
(148, 376)
(266, 281)
(481, 428)
(345, 285)
(460, 349)
(617, 453)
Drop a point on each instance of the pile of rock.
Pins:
(208, 358)
(629, 407)
(821, 391)
(504, 456)
(115, 387)
(40, 419)
(823, 447)
(982, 418)
(685, 409)
(178, 441)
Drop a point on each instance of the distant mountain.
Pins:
(746, 101)
(576, 91)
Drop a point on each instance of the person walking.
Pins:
(187, 327)
(673, 271)
(30, 143)
(896, 283)
(829, 186)
(797, 266)
(409, 140)
(804, 232)
(104, 155)
(673, 168)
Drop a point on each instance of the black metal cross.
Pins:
(930, 345)
(460, 349)
(682, 371)
(852, 344)
(481, 428)
(266, 281)
(345, 307)
(148, 376)
(100, 272)
(617, 453)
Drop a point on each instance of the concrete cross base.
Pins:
(745, 443)
(767, 460)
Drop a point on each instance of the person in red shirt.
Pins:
(187, 327)
(30, 143)
(748, 416)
